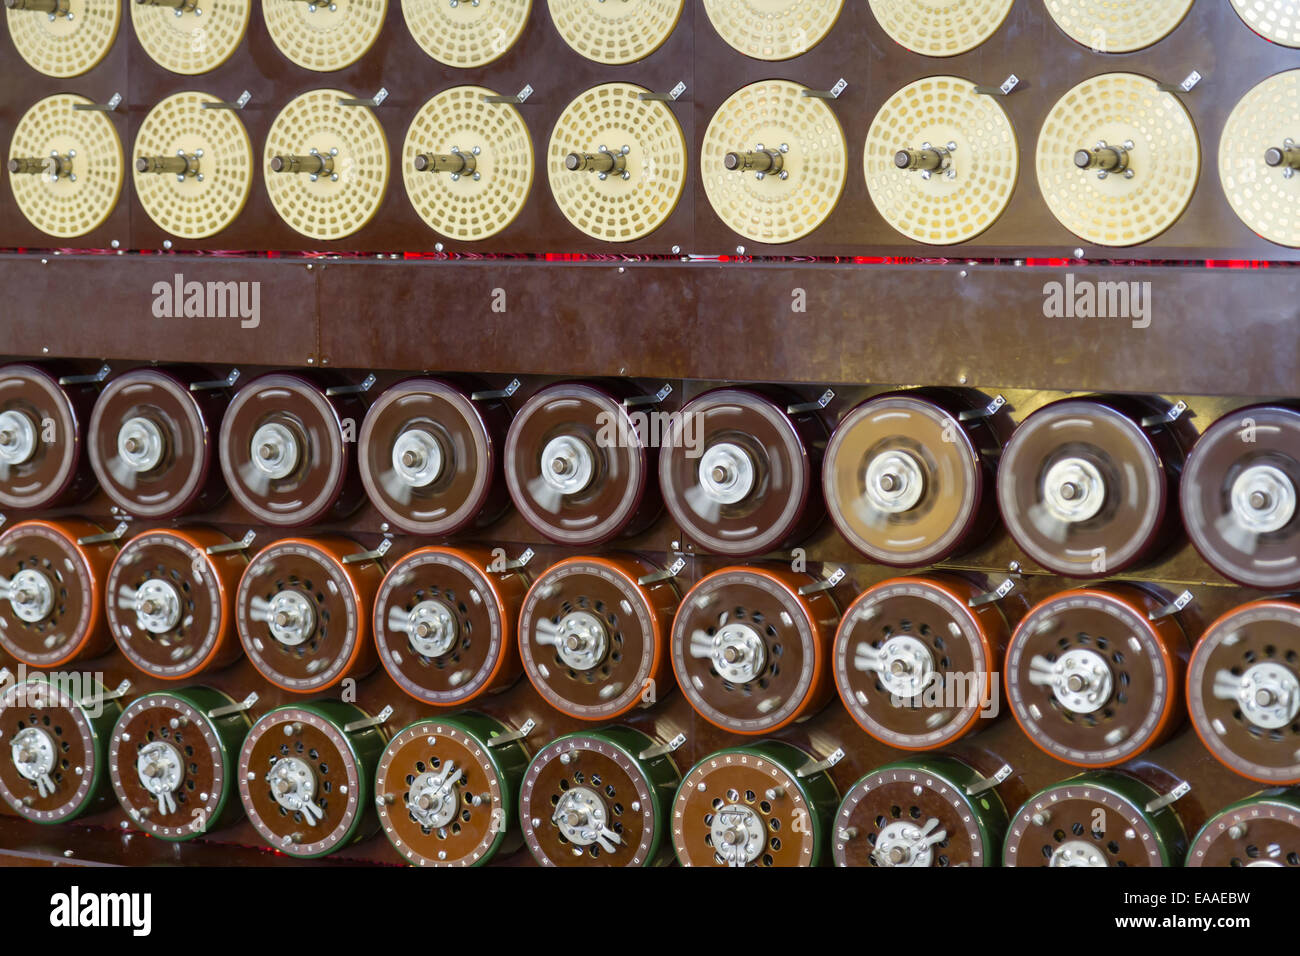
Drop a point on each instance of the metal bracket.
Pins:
(239, 104)
(1182, 789)
(670, 97)
(1005, 88)
(235, 708)
(1188, 84)
(832, 94)
(242, 544)
(988, 411)
(104, 536)
(654, 399)
(365, 386)
(517, 100)
(1173, 607)
(836, 577)
(1166, 418)
(374, 101)
(666, 574)
(997, 594)
(121, 690)
(817, 766)
(988, 783)
(227, 382)
(113, 103)
(658, 750)
(823, 400)
(374, 555)
(366, 722)
(512, 735)
(496, 392)
(85, 379)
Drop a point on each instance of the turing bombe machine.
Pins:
(737, 433)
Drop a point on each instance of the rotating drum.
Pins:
(1243, 690)
(940, 27)
(1117, 26)
(430, 457)
(774, 162)
(593, 638)
(1240, 496)
(753, 806)
(917, 664)
(773, 29)
(447, 791)
(65, 165)
(615, 33)
(1262, 830)
(751, 653)
(153, 442)
(306, 776)
(466, 35)
(190, 36)
(617, 162)
(1095, 676)
(56, 729)
(324, 35)
(285, 450)
(920, 813)
(63, 38)
(193, 167)
(1088, 487)
(467, 163)
(1095, 820)
(172, 760)
(171, 603)
(1275, 20)
(577, 469)
(739, 471)
(445, 623)
(592, 799)
(303, 612)
(43, 463)
(909, 477)
(1118, 159)
(1258, 159)
(52, 591)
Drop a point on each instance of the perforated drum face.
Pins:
(194, 38)
(1255, 156)
(1276, 20)
(773, 29)
(76, 166)
(1117, 26)
(66, 45)
(52, 762)
(324, 36)
(210, 194)
(347, 145)
(1147, 138)
(466, 35)
(774, 118)
(940, 27)
(492, 142)
(941, 121)
(1263, 830)
(644, 142)
(621, 32)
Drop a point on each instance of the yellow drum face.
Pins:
(1117, 26)
(324, 36)
(466, 35)
(1276, 20)
(940, 27)
(1266, 197)
(613, 33)
(773, 29)
(66, 45)
(191, 40)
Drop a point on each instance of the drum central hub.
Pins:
(738, 835)
(157, 606)
(726, 473)
(1263, 499)
(434, 797)
(18, 437)
(906, 667)
(293, 786)
(904, 843)
(141, 444)
(1081, 680)
(1077, 853)
(1268, 693)
(33, 752)
(275, 450)
(31, 595)
(581, 816)
(161, 769)
(895, 482)
(417, 458)
(739, 654)
(582, 641)
(1073, 490)
(568, 464)
(292, 618)
(432, 628)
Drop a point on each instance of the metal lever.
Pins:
(239, 104)
(113, 103)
